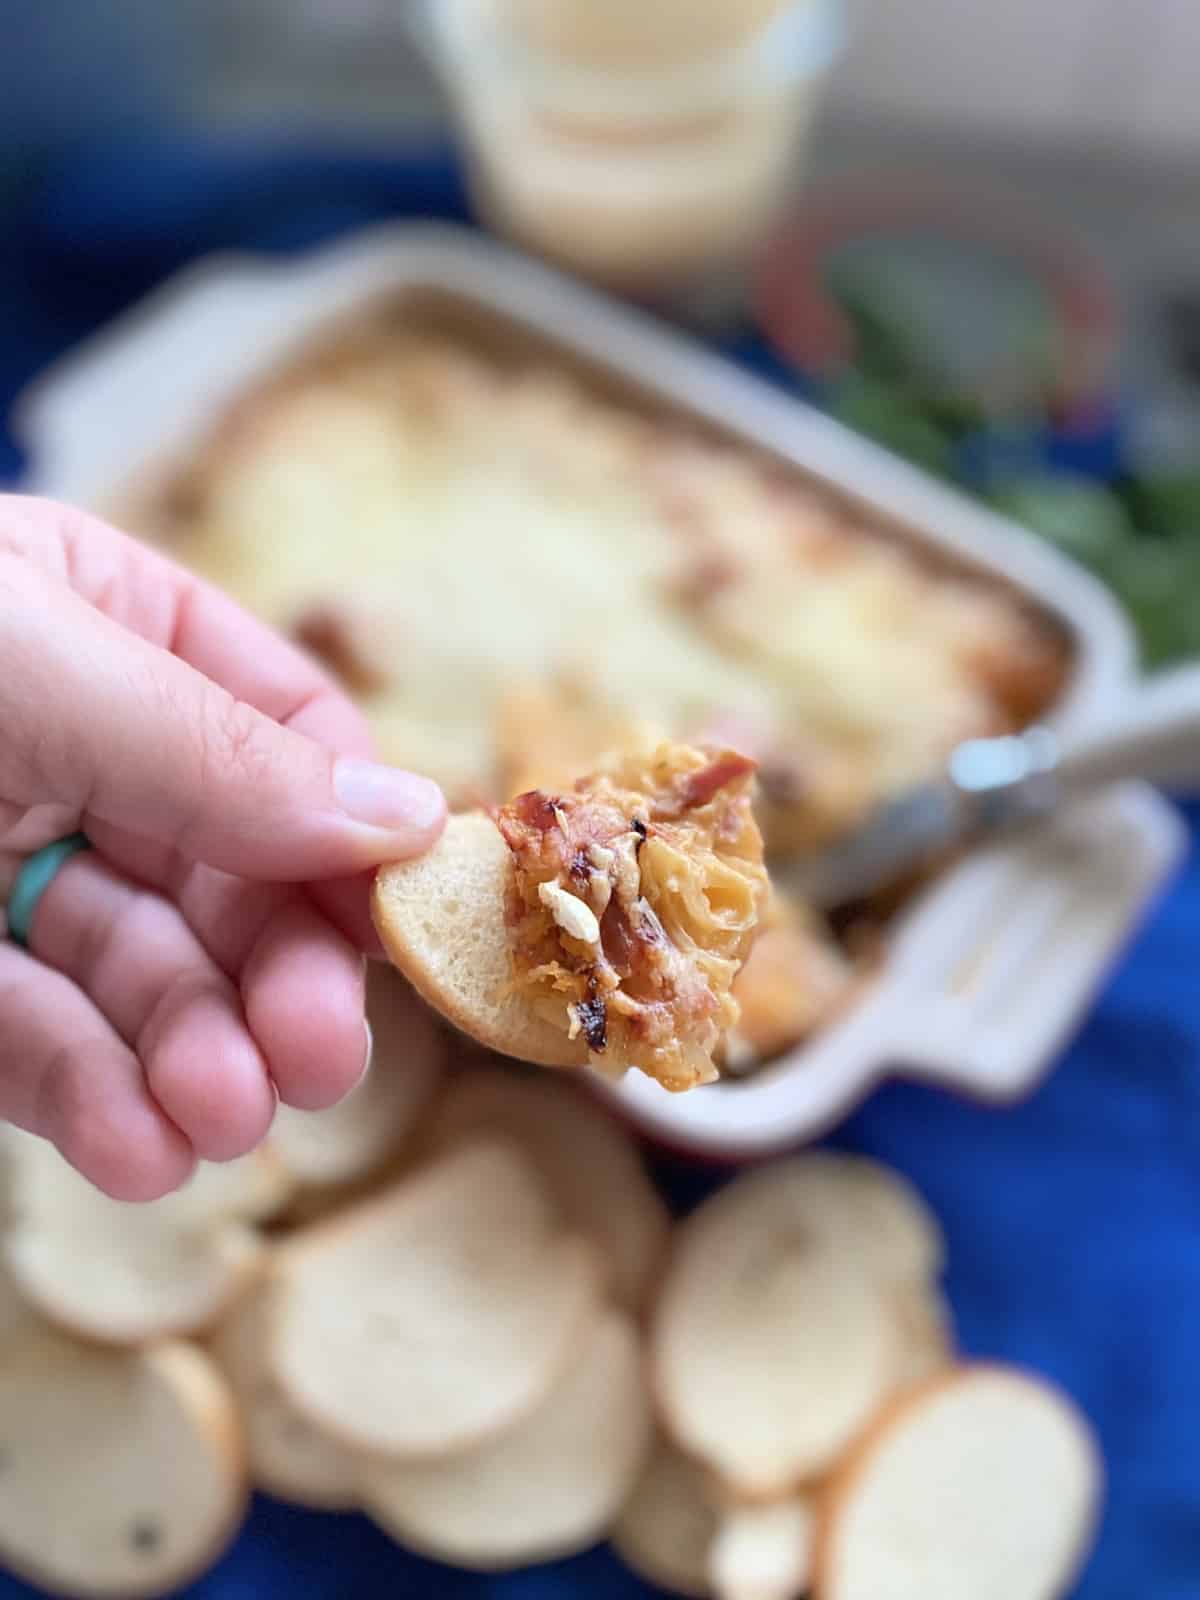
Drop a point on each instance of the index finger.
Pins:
(213, 634)
(153, 596)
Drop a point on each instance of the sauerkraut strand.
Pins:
(635, 899)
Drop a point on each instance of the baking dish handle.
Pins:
(1154, 734)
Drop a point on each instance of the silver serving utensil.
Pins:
(992, 786)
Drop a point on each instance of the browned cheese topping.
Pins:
(795, 980)
(634, 903)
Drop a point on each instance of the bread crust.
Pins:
(209, 1406)
(451, 901)
(124, 1275)
(839, 1488)
(286, 1457)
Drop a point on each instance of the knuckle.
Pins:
(56, 1108)
(220, 1099)
(182, 995)
(31, 532)
(238, 759)
(102, 938)
(240, 742)
(79, 1127)
(232, 734)
(92, 1140)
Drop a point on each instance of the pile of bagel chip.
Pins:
(457, 1303)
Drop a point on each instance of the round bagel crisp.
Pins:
(123, 1473)
(984, 1482)
(434, 1316)
(545, 1487)
(588, 1162)
(773, 1343)
(870, 1209)
(895, 1222)
(288, 1457)
(764, 1552)
(666, 1527)
(125, 1273)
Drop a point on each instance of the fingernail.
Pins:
(386, 797)
(370, 1051)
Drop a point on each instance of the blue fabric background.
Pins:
(1073, 1220)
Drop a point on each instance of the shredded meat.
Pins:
(697, 788)
(635, 899)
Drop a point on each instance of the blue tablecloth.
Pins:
(1074, 1220)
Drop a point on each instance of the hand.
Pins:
(207, 953)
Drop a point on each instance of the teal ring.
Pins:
(34, 878)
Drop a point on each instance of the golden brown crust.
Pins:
(548, 732)
(836, 1488)
(794, 981)
(213, 1405)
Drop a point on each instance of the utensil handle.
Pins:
(1155, 734)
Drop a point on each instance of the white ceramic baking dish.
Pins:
(992, 968)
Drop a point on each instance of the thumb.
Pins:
(98, 719)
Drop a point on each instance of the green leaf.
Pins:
(1158, 580)
(885, 414)
(1083, 518)
(1166, 502)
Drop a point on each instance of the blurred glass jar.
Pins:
(650, 171)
